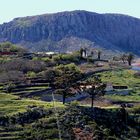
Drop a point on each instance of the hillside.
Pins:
(67, 96)
(69, 31)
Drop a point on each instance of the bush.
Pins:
(32, 114)
(9, 87)
(31, 74)
(90, 60)
(23, 65)
(52, 133)
(12, 76)
(49, 74)
(46, 59)
(57, 58)
(74, 104)
(135, 110)
(69, 57)
(9, 47)
(112, 138)
(137, 75)
(70, 68)
(66, 58)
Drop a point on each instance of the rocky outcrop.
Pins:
(66, 31)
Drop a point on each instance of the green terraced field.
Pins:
(123, 78)
(11, 104)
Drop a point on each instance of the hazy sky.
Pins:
(10, 9)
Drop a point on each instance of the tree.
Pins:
(50, 75)
(68, 75)
(95, 88)
(123, 113)
(92, 54)
(63, 92)
(9, 87)
(92, 92)
(99, 54)
(130, 57)
(124, 58)
(81, 52)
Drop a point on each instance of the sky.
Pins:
(10, 9)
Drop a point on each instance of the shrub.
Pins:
(69, 57)
(137, 75)
(49, 74)
(46, 59)
(135, 110)
(9, 87)
(23, 65)
(33, 113)
(112, 138)
(66, 57)
(31, 74)
(12, 76)
(74, 104)
(57, 58)
(9, 47)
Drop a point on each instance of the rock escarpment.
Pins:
(68, 31)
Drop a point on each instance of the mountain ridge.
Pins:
(51, 32)
(47, 14)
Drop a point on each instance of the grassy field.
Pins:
(123, 78)
(11, 104)
(127, 98)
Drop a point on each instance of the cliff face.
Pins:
(66, 30)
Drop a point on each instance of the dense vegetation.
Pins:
(38, 93)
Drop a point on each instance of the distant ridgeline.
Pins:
(69, 31)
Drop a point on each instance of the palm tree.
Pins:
(99, 54)
(92, 54)
(130, 57)
(93, 93)
(81, 52)
(64, 96)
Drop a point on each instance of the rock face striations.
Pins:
(68, 31)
